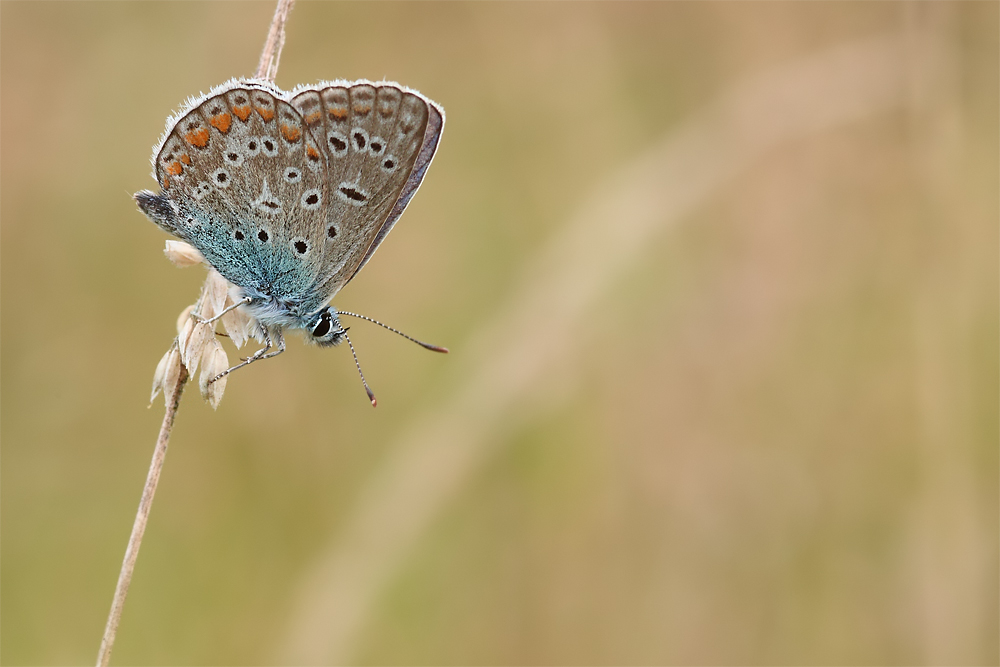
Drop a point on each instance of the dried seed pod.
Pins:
(194, 345)
(172, 371)
(182, 254)
(196, 342)
(213, 295)
(239, 325)
(159, 375)
(214, 361)
(184, 318)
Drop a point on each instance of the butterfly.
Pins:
(289, 194)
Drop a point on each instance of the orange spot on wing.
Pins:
(197, 138)
(292, 134)
(221, 122)
(185, 158)
(312, 152)
(175, 168)
(242, 113)
(313, 117)
(266, 114)
(337, 113)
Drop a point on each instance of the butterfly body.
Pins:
(288, 194)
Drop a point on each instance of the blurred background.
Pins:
(720, 285)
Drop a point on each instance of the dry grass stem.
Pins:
(173, 390)
(195, 343)
(268, 67)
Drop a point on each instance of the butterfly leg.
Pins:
(262, 353)
(236, 305)
(281, 346)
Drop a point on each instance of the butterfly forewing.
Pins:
(254, 183)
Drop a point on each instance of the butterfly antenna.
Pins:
(434, 348)
(371, 396)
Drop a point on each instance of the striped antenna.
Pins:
(434, 348)
(371, 396)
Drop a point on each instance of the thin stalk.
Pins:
(267, 69)
(141, 518)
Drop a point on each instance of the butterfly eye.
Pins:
(326, 331)
(322, 327)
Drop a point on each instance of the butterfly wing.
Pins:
(289, 195)
(249, 186)
(379, 139)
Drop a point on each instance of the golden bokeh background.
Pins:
(720, 282)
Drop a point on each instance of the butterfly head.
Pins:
(324, 328)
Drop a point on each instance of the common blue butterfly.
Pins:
(289, 194)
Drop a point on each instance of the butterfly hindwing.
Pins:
(428, 143)
(372, 135)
